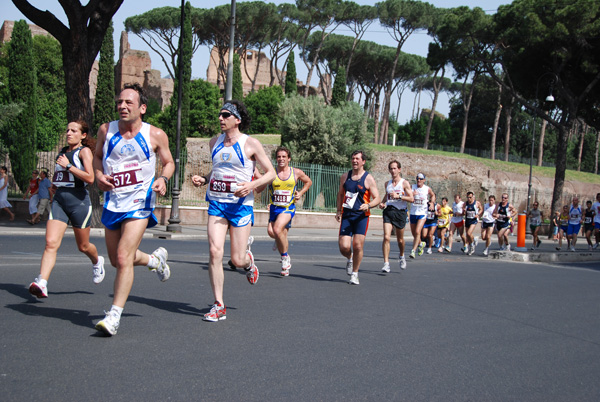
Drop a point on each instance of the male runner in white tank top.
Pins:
(231, 198)
(124, 165)
(397, 193)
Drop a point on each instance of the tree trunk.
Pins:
(496, 122)
(581, 140)
(376, 118)
(466, 107)
(596, 153)
(436, 92)
(508, 118)
(561, 167)
(389, 87)
(540, 157)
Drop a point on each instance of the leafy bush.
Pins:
(320, 134)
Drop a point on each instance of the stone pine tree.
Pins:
(185, 58)
(80, 41)
(104, 106)
(237, 90)
(338, 95)
(291, 87)
(20, 133)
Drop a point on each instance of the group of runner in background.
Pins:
(433, 225)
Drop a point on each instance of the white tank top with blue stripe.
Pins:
(231, 165)
(132, 164)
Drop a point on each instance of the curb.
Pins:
(545, 257)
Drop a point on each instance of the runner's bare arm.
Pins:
(258, 175)
(340, 197)
(383, 202)
(303, 177)
(408, 193)
(371, 185)
(432, 195)
(161, 142)
(255, 151)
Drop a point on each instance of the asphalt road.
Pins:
(449, 328)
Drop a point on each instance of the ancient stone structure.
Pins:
(135, 66)
(7, 28)
(249, 65)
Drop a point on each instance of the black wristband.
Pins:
(165, 179)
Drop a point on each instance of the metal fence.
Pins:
(320, 198)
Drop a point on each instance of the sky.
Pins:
(417, 43)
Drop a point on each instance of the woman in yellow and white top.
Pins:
(283, 194)
(444, 223)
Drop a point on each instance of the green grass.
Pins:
(512, 167)
(268, 139)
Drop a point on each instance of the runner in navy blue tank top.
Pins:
(357, 195)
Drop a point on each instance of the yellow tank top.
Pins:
(281, 192)
(564, 219)
(445, 214)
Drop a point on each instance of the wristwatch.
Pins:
(69, 166)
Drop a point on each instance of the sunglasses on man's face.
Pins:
(225, 115)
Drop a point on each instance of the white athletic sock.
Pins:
(42, 282)
(116, 309)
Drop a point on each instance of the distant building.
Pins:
(135, 66)
(249, 70)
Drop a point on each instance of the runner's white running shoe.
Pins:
(412, 254)
(38, 290)
(429, 250)
(163, 271)
(109, 325)
(98, 270)
(252, 273)
(486, 251)
(354, 279)
(402, 262)
(386, 267)
(286, 264)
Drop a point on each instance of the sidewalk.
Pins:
(546, 253)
